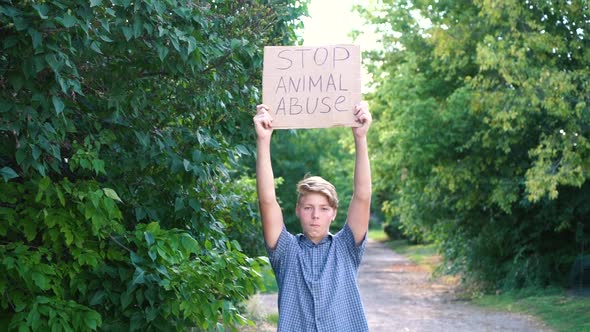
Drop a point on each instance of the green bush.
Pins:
(481, 119)
(393, 229)
(124, 128)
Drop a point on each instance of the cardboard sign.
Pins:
(312, 86)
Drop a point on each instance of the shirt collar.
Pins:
(303, 239)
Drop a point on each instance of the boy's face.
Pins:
(315, 215)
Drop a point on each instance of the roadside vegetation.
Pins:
(560, 309)
(127, 200)
(481, 134)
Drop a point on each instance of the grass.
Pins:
(377, 235)
(421, 254)
(424, 255)
(560, 311)
(273, 319)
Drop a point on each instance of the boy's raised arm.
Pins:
(360, 205)
(270, 211)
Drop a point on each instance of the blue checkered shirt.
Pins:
(318, 288)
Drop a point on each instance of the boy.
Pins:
(316, 271)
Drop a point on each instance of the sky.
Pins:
(331, 21)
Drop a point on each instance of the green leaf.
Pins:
(68, 20)
(137, 27)
(20, 23)
(42, 10)
(189, 243)
(111, 194)
(105, 22)
(40, 168)
(236, 245)
(54, 62)
(92, 320)
(235, 44)
(95, 198)
(97, 298)
(178, 204)
(153, 253)
(127, 32)
(149, 238)
(135, 258)
(153, 227)
(98, 166)
(95, 46)
(105, 38)
(36, 152)
(44, 184)
(60, 196)
(95, 3)
(242, 149)
(162, 52)
(58, 104)
(163, 270)
(8, 173)
(30, 229)
(68, 235)
(195, 205)
(16, 81)
(41, 280)
(175, 43)
(20, 155)
(126, 299)
(9, 11)
(36, 37)
(138, 276)
(192, 44)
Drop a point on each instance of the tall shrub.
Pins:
(122, 125)
(483, 120)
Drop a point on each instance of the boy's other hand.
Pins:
(263, 121)
(363, 116)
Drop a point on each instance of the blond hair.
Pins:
(316, 184)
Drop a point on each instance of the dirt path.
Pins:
(398, 296)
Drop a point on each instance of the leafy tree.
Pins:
(123, 130)
(483, 122)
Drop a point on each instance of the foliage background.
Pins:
(328, 153)
(127, 200)
(125, 128)
(482, 123)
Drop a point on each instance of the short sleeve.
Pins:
(276, 255)
(356, 251)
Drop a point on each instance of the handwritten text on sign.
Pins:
(312, 87)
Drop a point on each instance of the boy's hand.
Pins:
(363, 116)
(263, 121)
